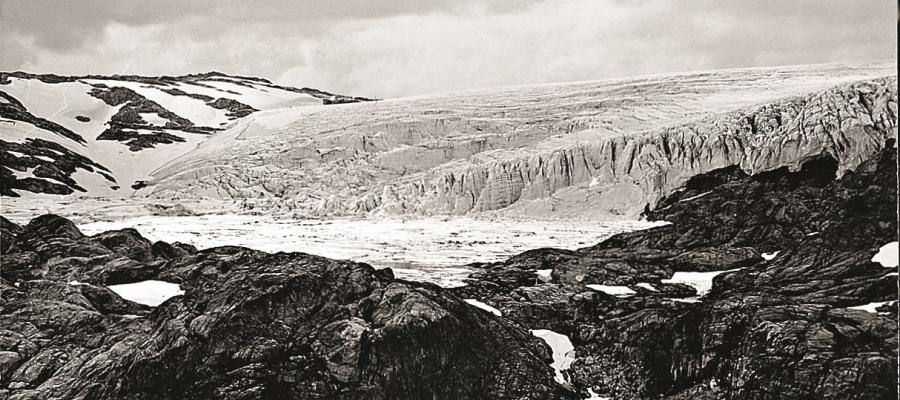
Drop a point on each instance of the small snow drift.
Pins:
(871, 307)
(684, 299)
(770, 256)
(595, 396)
(150, 292)
(544, 274)
(887, 255)
(484, 307)
(621, 291)
(701, 281)
(647, 286)
(563, 350)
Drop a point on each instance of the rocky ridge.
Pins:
(250, 325)
(785, 326)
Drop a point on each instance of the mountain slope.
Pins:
(99, 135)
(577, 149)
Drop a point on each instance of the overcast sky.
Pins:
(405, 47)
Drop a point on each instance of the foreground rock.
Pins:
(785, 326)
(250, 325)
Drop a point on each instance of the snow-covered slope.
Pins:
(576, 149)
(100, 135)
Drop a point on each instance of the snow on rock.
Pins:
(595, 396)
(563, 350)
(544, 274)
(871, 307)
(684, 299)
(770, 256)
(701, 281)
(887, 255)
(647, 286)
(484, 307)
(621, 291)
(150, 292)
(173, 116)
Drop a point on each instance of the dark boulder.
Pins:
(250, 325)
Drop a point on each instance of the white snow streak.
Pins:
(563, 350)
(150, 292)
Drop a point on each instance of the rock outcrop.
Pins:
(250, 325)
(801, 323)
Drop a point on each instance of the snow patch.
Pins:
(870, 307)
(701, 281)
(595, 396)
(770, 256)
(647, 286)
(150, 292)
(563, 350)
(887, 255)
(621, 291)
(544, 274)
(685, 299)
(484, 307)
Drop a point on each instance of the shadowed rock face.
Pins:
(779, 328)
(250, 325)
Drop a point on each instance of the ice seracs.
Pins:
(150, 292)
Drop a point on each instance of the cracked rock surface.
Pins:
(250, 325)
(786, 328)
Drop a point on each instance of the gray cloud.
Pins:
(410, 47)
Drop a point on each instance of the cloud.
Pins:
(408, 47)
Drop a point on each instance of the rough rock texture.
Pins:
(592, 149)
(250, 325)
(774, 329)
